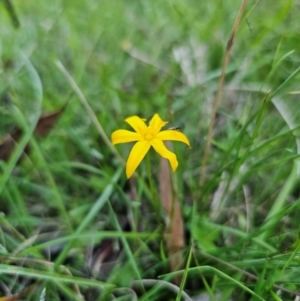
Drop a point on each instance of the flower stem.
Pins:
(155, 202)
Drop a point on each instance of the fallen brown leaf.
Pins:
(44, 125)
(8, 144)
(47, 122)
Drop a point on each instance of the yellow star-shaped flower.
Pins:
(147, 136)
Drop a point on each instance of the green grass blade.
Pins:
(52, 276)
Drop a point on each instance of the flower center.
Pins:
(148, 135)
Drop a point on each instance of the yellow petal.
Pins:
(123, 136)
(156, 124)
(173, 135)
(159, 146)
(136, 155)
(137, 123)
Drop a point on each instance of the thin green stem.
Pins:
(154, 199)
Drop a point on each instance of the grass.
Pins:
(73, 227)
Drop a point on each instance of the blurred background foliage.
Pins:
(140, 58)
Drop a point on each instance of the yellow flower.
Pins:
(147, 136)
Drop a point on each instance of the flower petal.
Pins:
(173, 135)
(156, 124)
(137, 123)
(159, 146)
(123, 136)
(136, 155)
